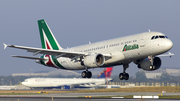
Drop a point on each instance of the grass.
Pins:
(16, 93)
(170, 97)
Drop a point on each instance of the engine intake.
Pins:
(145, 64)
(95, 60)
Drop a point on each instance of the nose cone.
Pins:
(22, 83)
(168, 44)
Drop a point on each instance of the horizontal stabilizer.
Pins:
(26, 57)
(4, 45)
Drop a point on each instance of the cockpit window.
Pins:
(152, 37)
(161, 36)
(156, 37)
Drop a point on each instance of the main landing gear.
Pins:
(86, 74)
(124, 75)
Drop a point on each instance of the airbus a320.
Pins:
(143, 49)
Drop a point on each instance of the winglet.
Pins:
(4, 45)
(171, 54)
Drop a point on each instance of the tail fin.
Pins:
(106, 73)
(48, 40)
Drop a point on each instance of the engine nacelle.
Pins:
(145, 64)
(95, 60)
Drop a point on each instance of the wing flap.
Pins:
(26, 57)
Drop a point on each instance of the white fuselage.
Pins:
(56, 82)
(145, 47)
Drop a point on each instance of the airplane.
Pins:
(143, 49)
(68, 83)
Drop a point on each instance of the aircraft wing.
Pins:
(164, 55)
(57, 53)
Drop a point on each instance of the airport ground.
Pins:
(89, 95)
(79, 99)
(73, 97)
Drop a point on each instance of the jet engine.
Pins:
(95, 60)
(145, 64)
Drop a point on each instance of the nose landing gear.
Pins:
(151, 58)
(124, 75)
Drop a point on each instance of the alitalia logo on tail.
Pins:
(130, 47)
(48, 40)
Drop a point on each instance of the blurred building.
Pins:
(48, 73)
(54, 73)
(15, 87)
(30, 74)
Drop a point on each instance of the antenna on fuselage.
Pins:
(149, 30)
(89, 42)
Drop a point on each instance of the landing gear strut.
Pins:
(86, 74)
(151, 58)
(124, 75)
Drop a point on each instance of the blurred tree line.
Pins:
(141, 77)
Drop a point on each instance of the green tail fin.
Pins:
(48, 40)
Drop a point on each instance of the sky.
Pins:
(76, 22)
